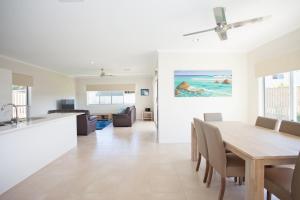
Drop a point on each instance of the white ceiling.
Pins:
(118, 34)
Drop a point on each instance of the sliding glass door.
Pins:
(282, 96)
(296, 104)
(277, 96)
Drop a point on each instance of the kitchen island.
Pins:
(29, 146)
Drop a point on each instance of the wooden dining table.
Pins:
(258, 147)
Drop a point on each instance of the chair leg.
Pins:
(240, 180)
(210, 173)
(235, 179)
(198, 162)
(206, 171)
(222, 189)
(269, 195)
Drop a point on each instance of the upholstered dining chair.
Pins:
(201, 146)
(227, 165)
(209, 117)
(284, 183)
(266, 122)
(289, 127)
(217, 117)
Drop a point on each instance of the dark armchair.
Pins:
(86, 123)
(126, 118)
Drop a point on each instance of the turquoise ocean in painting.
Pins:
(203, 83)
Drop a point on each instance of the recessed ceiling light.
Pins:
(92, 62)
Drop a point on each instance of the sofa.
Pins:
(86, 123)
(126, 118)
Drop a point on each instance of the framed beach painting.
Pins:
(144, 92)
(203, 83)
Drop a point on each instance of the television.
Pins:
(67, 104)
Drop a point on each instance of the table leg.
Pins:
(193, 143)
(254, 179)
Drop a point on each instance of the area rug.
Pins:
(101, 124)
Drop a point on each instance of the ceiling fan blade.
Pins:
(222, 35)
(220, 17)
(198, 32)
(249, 21)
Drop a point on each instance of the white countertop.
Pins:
(35, 122)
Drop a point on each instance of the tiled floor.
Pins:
(122, 164)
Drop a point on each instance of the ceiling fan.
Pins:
(104, 74)
(222, 26)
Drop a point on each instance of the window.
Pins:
(110, 97)
(129, 97)
(20, 97)
(104, 97)
(282, 96)
(92, 97)
(296, 78)
(277, 96)
(117, 98)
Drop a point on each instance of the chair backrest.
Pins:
(126, 111)
(296, 181)
(216, 149)
(265, 122)
(289, 127)
(201, 140)
(213, 117)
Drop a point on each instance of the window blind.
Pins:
(111, 87)
(22, 79)
(279, 64)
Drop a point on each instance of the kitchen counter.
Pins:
(36, 121)
(29, 146)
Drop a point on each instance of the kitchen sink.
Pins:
(6, 123)
(36, 118)
(31, 119)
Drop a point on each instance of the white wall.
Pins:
(141, 101)
(277, 58)
(176, 114)
(5, 93)
(48, 86)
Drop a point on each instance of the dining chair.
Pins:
(227, 165)
(284, 183)
(266, 122)
(209, 117)
(289, 127)
(215, 117)
(201, 146)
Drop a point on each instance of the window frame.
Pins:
(104, 98)
(111, 97)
